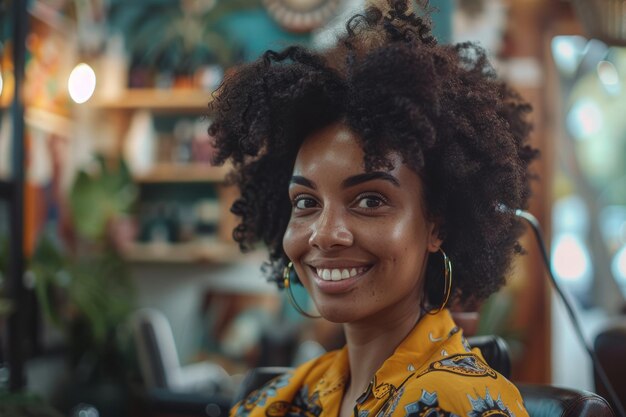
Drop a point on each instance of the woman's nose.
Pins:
(330, 231)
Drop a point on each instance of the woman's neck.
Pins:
(371, 342)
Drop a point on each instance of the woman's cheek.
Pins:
(292, 240)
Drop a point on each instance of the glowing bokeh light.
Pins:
(618, 266)
(567, 52)
(82, 83)
(564, 48)
(609, 77)
(570, 259)
(607, 73)
(570, 214)
(584, 119)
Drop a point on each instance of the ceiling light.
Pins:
(82, 83)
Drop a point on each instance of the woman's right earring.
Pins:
(287, 281)
(447, 284)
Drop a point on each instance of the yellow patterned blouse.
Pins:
(432, 373)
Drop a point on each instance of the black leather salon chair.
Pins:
(159, 402)
(610, 347)
(549, 401)
(256, 378)
(540, 400)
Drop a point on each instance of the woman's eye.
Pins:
(370, 202)
(302, 203)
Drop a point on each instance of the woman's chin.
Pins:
(338, 315)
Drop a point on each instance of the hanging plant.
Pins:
(178, 36)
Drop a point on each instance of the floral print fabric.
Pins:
(432, 373)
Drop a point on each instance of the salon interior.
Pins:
(122, 292)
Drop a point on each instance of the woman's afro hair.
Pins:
(440, 107)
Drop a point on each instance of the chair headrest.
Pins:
(549, 401)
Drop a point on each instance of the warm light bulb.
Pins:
(82, 83)
(1, 82)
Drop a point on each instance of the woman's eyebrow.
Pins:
(350, 181)
(297, 179)
(369, 176)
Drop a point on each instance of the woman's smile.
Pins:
(340, 274)
(358, 240)
(338, 279)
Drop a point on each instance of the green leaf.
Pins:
(96, 198)
(46, 265)
(89, 205)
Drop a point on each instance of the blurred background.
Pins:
(121, 290)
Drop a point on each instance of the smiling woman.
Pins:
(370, 170)
(347, 220)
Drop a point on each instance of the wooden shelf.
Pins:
(179, 253)
(173, 100)
(49, 122)
(170, 172)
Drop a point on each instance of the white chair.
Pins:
(159, 363)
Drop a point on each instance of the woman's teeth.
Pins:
(337, 274)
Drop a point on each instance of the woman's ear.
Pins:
(434, 238)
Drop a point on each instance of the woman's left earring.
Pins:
(289, 277)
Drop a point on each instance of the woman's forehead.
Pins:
(335, 135)
(338, 150)
(334, 146)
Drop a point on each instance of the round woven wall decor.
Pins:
(301, 15)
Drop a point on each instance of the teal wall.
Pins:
(258, 31)
(442, 20)
(249, 28)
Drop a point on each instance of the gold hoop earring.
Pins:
(447, 285)
(288, 272)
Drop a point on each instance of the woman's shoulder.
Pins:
(462, 384)
(283, 386)
(320, 363)
(310, 369)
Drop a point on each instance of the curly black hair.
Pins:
(440, 107)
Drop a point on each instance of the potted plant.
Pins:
(84, 289)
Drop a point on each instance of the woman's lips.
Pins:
(337, 280)
(338, 274)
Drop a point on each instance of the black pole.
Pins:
(15, 326)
